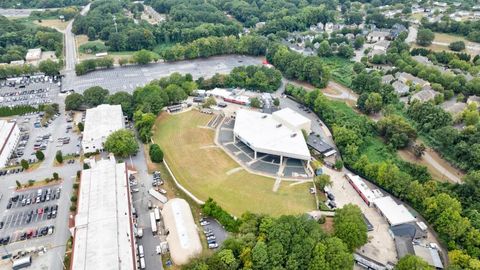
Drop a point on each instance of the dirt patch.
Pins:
(57, 24)
(331, 91)
(328, 225)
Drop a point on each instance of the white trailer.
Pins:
(153, 222)
(157, 195)
(157, 213)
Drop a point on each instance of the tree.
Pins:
(324, 49)
(209, 102)
(345, 51)
(396, 131)
(412, 262)
(418, 150)
(457, 46)
(255, 102)
(19, 185)
(358, 42)
(276, 102)
(122, 143)
(425, 37)
(350, 226)
(156, 154)
(73, 101)
(24, 164)
(80, 126)
(95, 96)
(125, 99)
(50, 67)
(142, 57)
(59, 157)
(39, 154)
(373, 103)
(338, 164)
(260, 256)
(55, 176)
(322, 181)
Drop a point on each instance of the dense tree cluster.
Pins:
(210, 46)
(397, 132)
(92, 64)
(41, 3)
(460, 60)
(286, 242)
(212, 209)
(440, 204)
(16, 38)
(122, 143)
(257, 78)
(468, 29)
(296, 66)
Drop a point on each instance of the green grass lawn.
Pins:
(340, 68)
(203, 171)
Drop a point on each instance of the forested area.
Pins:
(469, 29)
(17, 37)
(440, 204)
(68, 13)
(256, 78)
(289, 242)
(41, 3)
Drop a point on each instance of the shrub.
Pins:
(73, 198)
(73, 208)
(55, 176)
(211, 208)
(156, 154)
(75, 186)
(31, 182)
(39, 154)
(24, 164)
(59, 157)
(80, 126)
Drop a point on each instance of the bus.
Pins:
(154, 223)
(22, 263)
(157, 213)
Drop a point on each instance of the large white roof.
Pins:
(183, 240)
(266, 134)
(102, 121)
(103, 229)
(396, 214)
(291, 118)
(5, 131)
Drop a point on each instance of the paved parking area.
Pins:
(32, 90)
(380, 246)
(215, 229)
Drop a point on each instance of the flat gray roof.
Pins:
(103, 230)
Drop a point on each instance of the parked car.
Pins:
(212, 245)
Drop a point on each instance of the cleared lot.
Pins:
(207, 171)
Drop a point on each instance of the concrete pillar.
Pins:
(281, 160)
(234, 138)
(255, 154)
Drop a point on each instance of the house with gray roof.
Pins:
(424, 95)
(400, 88)
(407, 77)
(387, 79)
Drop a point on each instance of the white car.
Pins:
(204, 223)
(163, 191)
(211, 237)
(158, 249)
(213, 245)
(134, 190)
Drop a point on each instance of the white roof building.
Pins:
(9, 136)
(33, 55)
(277, 134)
(103, 237)
(100, 122)
(183, 240)
(395, 214)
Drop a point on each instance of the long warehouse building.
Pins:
(103, 237)
(9, 136)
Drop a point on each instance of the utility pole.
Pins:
(115, 23)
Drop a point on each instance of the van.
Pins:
(140, 233)
(140, 251)
(142, 263)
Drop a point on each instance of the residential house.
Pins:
(473, 99)
(400, 88)
(407, 77)
(382, 45)
(396, 30)
(387, 79)
(454, 108)
(376, 36)
(424, 95)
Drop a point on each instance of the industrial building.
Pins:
(33, 55)
(100, 122)
(395, 214)
(9, 136)
(278, 134)
(183, 240)
(103, 233)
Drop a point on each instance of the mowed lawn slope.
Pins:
(203, 170)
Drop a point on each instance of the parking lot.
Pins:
(32, 90)
(35, 137)
(29, 214)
